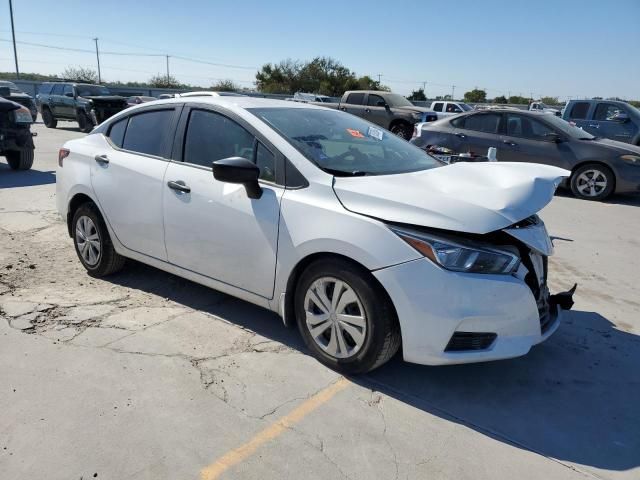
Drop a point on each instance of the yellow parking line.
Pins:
(274, 430)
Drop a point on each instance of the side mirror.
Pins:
(382, 103)
(238, 170)
(553, 137)
(620, 117)
(69, 94)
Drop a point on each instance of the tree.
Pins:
(550, 100)
(164, 81)
(80, 74)
(635, 103)
(518, 99)
(225, 86)
(500, 99)
(475, 96)
(417, 95)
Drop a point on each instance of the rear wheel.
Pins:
(20, 159)
(48, 119)
(84, 122)
(592, 181)
(345, 318)
(402, 130)
(92, 242)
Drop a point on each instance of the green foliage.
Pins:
(35, 77)
(417, 95)
(80, 74)
(225, 86)
(518, 99)
(165, 81)
(500, 99)
(475, 96)
(550, 100)
(322, 75)
(635, 103)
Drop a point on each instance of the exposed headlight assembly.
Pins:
(23, 115)
(460, 256)
(632, 159)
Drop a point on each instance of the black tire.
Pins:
(20, 159)
(382, 335)
(84, 122)
(402, 130)
(108, 260)
(48, 118)
(588, 172)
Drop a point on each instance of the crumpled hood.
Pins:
(462, 197)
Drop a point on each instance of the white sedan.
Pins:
(358, 237)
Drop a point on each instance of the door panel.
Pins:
(609, 128)
(375, 113)
(216, 230)
(129, 189)
(354, 104)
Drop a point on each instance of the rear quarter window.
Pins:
(483, 122)
(146, 132)
(116, 132)
(355, 99)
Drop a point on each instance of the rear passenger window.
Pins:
(116, 132)
(485, 122)
(147, 131)
(211, 136)
(45, 88)
(355, 98)
(57, 89)
(437, 107)
(579, 111)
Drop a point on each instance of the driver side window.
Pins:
(374, 100)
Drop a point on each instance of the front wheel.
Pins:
(346, 319)
(20, 159)
(592, 181)
(93, 244)
(402, 130)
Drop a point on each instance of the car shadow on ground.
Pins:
(24, 178)
(573, 398)
(630, 199)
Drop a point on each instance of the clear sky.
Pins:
(545, 47)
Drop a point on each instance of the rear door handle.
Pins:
(101, 159)
(368, 110)
(178, 185)
(344, 109)
(461, 135)
(511, 144)
(594, 125)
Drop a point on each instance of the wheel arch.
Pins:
(76, 201)
(400, 121)
(292, 281)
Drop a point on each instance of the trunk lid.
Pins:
(462, 197)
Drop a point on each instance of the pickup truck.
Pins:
(611, 119)
(541, 107)
(446, 109)
(84, 103)
(389, 110)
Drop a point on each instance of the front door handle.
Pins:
(511, 144)
(368, 110)
(344, 109)
(178, 185)
(101, 159)
(595, 125)
(461, 135)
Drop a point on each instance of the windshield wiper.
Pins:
(345, 173)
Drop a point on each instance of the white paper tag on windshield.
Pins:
(375, 133)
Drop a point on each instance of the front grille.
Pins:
(462, 341)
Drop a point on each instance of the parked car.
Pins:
(599, 167)
(358, 237)
(310, 97)
(84, 103)
(10, 91)
(541, 107)
(16, 139)
(605, 118)
(446, 109)
(138, 99)
(164, 96)
(389, 110)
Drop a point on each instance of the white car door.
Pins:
(214, 228)
(128, 178)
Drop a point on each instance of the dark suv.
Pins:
(84, 103)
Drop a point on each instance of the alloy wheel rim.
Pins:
(88, 241)
(591, 183)
(335, 317)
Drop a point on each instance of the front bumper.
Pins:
(432, 304)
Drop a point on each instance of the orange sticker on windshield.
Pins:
(355, 133)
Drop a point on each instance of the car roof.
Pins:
(238, 102)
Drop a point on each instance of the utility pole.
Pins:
(379, 77)
(167, 69)
(13, 34)
(453, 91)
(424, 88)
(98, 58)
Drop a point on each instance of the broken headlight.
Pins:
(460, 255)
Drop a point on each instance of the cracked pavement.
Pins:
(146, 375)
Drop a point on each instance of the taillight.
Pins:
(62, 154)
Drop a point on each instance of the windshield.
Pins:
(395, 100)
(465, 107)
(568, 128)
(92, 90)
(345, 145)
